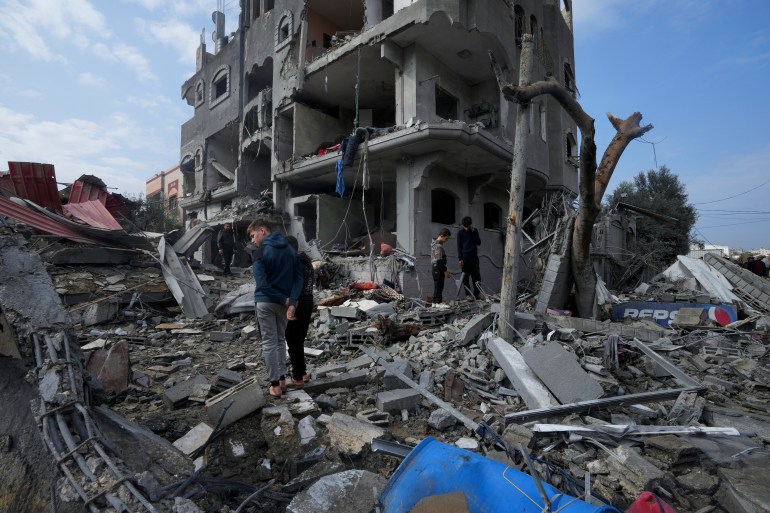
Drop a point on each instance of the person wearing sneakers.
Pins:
(468, 241)
(296, 330)
(438, 264)
(278, 276)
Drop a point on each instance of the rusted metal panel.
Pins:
(93, 213)
(39, 221)
(37, 183)
(84, 191)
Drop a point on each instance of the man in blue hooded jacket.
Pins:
(279, 277)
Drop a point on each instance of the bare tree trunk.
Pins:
(513, 227)
(593, 179)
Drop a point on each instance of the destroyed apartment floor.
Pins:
(669, 445)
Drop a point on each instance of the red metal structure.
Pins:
(37, 183)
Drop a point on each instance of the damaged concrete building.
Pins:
(377, 121)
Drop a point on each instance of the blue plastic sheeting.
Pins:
(435, 468)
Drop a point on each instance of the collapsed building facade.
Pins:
(406, 91)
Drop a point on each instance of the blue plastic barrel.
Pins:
(436, 468)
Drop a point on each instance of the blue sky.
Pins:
(93, 86)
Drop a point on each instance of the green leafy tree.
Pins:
(658, 243)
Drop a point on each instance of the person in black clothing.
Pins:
(438, 264)
(296, 330)
(468, 241)
(226, 245)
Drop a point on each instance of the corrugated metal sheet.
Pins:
(92, 213)
(39, 222)
(37, 183)
(84, 191)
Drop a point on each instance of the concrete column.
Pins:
(412, 209)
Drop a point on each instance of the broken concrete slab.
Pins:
(391, 381)
(533, 392)
(744, 490)
(194, 438)
(221, 336)
(313, 474)
(350, 435)
(247, 397)
(346, 379)
(176, 396)
(182, 282)
(351, 491)
(99, 313)
(441, 420)
(474, 327)
(562, 374)
(397, 400)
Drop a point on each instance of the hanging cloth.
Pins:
(340, 180)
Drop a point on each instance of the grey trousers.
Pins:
(272, 325)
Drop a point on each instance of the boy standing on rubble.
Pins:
(468, 241)
(226, 245)
(296, 330)
(278, 276)
(438, 264)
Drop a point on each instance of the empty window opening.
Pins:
(220, 86)
(493, 216)
(569, 78)
(284, 30)
(255, 9)
(442, 206)
(446, 104)
(534, 31)
(308, 212)
(572, 150)
(543, 124)
(269, 5)
(387, 8)
(199, 93)
(284, 145)
(518, 13)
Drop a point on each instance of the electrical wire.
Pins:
(734, 196)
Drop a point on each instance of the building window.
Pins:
(269, 5)
(442, 207)
(200, 93)
(518, 23)
(572, 150)
(534, 31)
(255, 9)
(446, 104)
(284, 30)
(220, 86)
(493, 216)
(172, 203)
(543, 124)
(569, 78)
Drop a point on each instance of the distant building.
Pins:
(407, 87)
(696, 251)
(165, 187)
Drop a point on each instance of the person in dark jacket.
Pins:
(278, 276)
(438, 264)
(296, 330)
(468, 241)
(226, 245)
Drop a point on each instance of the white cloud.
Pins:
(127, 55)
(180, 36)
(77, 146)
(91, 80)
(35, 26)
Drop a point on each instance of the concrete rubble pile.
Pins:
(147, 404)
